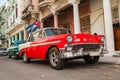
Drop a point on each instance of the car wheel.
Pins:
(5, 54)
(9, 56)
(26, 59)
(54, 59)
(91, 59)
(16, 56)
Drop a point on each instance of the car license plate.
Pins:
(94, 54)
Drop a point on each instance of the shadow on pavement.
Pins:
(74, 64)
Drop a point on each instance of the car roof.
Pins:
(18, 41)
(48, 28)
(54, 28)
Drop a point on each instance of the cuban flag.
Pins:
(29, 28)
(33, 27)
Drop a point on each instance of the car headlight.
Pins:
(69, 39)
(102, 39)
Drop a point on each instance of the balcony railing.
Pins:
(2, 37)
(10, 27)
(27, 10)
(13, 26)
(44, 3)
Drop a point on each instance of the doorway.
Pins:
(117, 36)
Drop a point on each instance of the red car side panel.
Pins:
(38, 48)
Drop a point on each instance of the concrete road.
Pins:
(107, 68)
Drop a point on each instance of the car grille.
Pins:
(86, 47)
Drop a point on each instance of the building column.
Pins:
(41, 20)
(36, 4)
(10, 39)
(119, 9)
(15, 36)
(75, 4)
(55, 19)
(42, 24)
(20, 36)
(25, 34)
(108, 26)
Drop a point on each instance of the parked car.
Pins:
(3, 51)
(59, 45)
(13, 49)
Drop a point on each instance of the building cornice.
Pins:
(14, 27)
(46, 3)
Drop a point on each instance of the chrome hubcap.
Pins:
(24, 57)
(54, 58)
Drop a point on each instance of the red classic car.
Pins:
(59, 45)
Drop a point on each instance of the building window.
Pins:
(66, 25)
(22, 35)
(16, 10)
(85, 24)
(10, 21)
(17, 36)
(14, 38)
(115, 14)
(13, 18)
(30, 2)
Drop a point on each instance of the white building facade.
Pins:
(15, 27)
(105, 19)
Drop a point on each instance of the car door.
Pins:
(29, 51)
(36, 47)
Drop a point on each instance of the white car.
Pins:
(3, 51)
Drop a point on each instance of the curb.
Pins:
(117, 55)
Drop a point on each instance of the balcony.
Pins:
(2, 20)
(26, 11)
(2, 37)
(13, 26)
(44, 3)
(29, 12)
(53, 4)
(10, 27)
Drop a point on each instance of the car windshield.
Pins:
(16, 43)
(52, 32)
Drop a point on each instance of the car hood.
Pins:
(13, 47)
(86, 38)
(77, 38)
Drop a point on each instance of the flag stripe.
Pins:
(32, 27)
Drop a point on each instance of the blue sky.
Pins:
(2, 2)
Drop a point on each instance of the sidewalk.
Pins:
(112, 54)
(117, 54)
(110, 59)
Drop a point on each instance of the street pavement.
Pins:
(108, 68)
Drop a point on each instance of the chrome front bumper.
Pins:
(70, 53)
